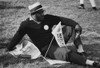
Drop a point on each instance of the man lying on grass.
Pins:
(39, 28)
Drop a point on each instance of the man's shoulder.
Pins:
(56, 16)
(25, 22)
(66, 19)
(50, 16)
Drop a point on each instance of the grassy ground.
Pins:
(12, 12)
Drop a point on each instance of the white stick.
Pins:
(49, 47)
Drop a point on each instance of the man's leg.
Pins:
(93, 4)
(78, 59)
(81, 1)
(79, 45)
(69, 33)
(73, 57)
(81, 4)
(60, 53)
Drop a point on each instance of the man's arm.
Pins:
(17, 37)
(72, 23)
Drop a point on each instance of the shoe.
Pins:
(94, 8)
(96, 64)
(81, 6)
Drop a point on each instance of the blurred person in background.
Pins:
(93, 4)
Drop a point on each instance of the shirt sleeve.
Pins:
(68, 22)
(17, 37)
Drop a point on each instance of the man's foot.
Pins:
(81, 6)
(94, 8)
(96, 64)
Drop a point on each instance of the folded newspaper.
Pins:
(33, 51)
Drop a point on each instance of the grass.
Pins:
(13, 12)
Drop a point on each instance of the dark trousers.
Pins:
(60, 53)
(74, 57)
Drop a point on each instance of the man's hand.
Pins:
(77, 35)
(78, 30)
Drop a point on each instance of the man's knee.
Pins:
(67, 31)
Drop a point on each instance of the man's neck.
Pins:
(38, 22)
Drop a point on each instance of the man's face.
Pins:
(39, 15)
